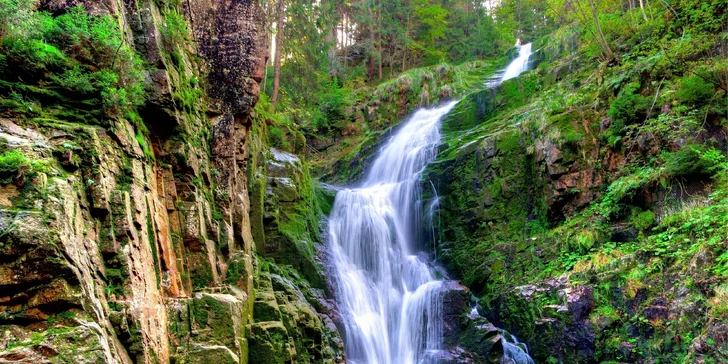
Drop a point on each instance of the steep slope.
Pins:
(143, 210)
(585, 203)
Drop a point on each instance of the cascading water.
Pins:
(520, 64)
(387, 294)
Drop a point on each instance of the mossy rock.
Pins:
(269, 344)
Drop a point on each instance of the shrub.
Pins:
(31, 56)
(12, 165)
(75, 52)
(628, 108)
(276, 138)
(333, 104)
(694, 159)
(695, 91)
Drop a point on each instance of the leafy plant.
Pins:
(694, 90)
(629, 107)
(276, 137)
(694, 159)
(13, 165)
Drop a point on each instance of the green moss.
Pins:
(324, 198)
(214, 321)
(201, 273)
(151, 234)
(144, 145)
(13, 165)
(695, 91)
(76, 59)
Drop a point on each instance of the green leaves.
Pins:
(695, 91)
(72, 59)
(433, 16)
(695, 159)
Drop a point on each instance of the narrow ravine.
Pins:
(387, 293)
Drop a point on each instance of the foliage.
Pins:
(76, 57)
(276, 138)
(628, 108)
(334, 103)
(695, 91)
(174, 29)
(13, 164)
(694, 158)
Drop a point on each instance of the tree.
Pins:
(606, 49)
(277, 57)
(433, 24)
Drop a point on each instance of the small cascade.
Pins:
(389, 298)
(431, 211)
(515, 352)
(520, 64)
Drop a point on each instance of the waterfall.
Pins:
(515, 352)
(520, 64)
(388, 296)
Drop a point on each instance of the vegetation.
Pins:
(600, 172)
(600, 177)
(70, 61)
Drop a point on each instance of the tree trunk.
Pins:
(277, 64)
(642, 7)
(602, 39)
(372, 45)
(381, 55)
(404, 48)
(344, 36)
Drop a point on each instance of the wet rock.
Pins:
(580, 301)
(455, 302)
(77, 344)
(266, 307)
(231, 40)
(219, 319)
(269, 343)
(201, 354)
(284, 189)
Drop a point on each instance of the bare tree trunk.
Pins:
(642, 6)
(277, 64)
(372, 45)
(345, 35)
(602, 39)
(381, 55)
(404, 47)
(268, 39)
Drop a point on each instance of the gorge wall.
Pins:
(159, 230)
(581, 204)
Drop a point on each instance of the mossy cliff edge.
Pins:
(585, 203)
(144, 216)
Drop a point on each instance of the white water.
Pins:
(388, 296)
(515, 353)
(520, 64)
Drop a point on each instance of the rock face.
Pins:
(126, 247)
(561, 329)
(468, 337)
(580, 237)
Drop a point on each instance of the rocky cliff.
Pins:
(585, 204)
(145, 218)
